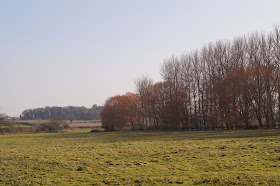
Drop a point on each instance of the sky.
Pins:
(81, 52)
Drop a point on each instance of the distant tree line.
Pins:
(225, 85)
(56, 124)
(66, 113)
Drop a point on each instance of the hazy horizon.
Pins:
(79, 53)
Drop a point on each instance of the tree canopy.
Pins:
(224, 85)
(66, 113)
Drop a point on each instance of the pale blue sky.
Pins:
(80, 52)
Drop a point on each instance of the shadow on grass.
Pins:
(153, 136)
(186, 135)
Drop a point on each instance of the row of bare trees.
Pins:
(225, 85)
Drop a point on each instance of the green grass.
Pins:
(21, 125)
(46, 121)
(141, 158)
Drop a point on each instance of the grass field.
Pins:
(141, 158)
(67, 121)
(74, 124)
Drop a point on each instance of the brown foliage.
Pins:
(119, 112)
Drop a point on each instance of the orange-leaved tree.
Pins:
(120, 112)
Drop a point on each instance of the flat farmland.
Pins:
(78, 157)
(74, 124)
(85, 125)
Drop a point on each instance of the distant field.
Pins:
(85, 125)
(141, 158)
(74, 124)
